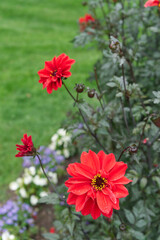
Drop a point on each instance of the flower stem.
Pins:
(124, 150)
(69, 92)
(99, 98)
(93, 135)
(53, 187)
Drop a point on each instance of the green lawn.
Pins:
(32, 32)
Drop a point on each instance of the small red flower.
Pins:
(52, 230)
(27, 149)
(85, 21)
(53, 72)
(145, 140)
(96, 184)
(151, 3)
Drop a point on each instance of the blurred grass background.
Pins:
(32, 32)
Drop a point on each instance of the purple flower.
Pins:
(1, 223)
(41, 148)
(47, 151)
(9, 221)
(26, 162)
(59, 158)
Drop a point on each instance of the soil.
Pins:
(44, 220)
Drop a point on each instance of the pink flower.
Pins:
(151, 3)
(145, 140)
(96, 184)
(27, 149)
(53, 72)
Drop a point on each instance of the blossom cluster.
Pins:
(61, 141)
(15, 219)
(32, 185)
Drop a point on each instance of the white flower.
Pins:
(32, 170)
(67, 138)
(13, 186)
(19, 181)
(23, 193)
(54, 137)
(40, 181)
(7, 236)
(61, 132)
(11, 237)
(33, 200)
(52, 146)
(66, 153)
(53, 177)
(27, 179)
(43, 194)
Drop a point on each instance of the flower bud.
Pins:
(79, 88)
(91, 93)
(84, 3)
(122, 227)
(133, 149)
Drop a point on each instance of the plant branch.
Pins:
(53, 187)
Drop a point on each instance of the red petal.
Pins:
(78, 169)
(95, 212)
(109, 162)
(80, 202)
(118, 171)
(152, 3)
(116, 206)
(122, 180)
(43, 73)
(87, 207)
(79, 189)
(49, 66)
(74, 180)
(111, 195)
(109, 215)
(71, 199)
(120, 191)
(91, 159)
(103, 202)
(101, 156)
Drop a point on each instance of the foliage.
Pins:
(126, 111)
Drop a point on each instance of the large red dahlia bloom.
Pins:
(54, 70)
(27, 149)
(151, 3)
(96, 184)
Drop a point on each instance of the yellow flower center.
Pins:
(53, 73)
(98, 182)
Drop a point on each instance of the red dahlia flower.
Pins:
(27, 149)
(85, 21)
(151, 3)
(54, 70)
(96, 184)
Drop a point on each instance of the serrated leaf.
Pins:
(50, 199)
